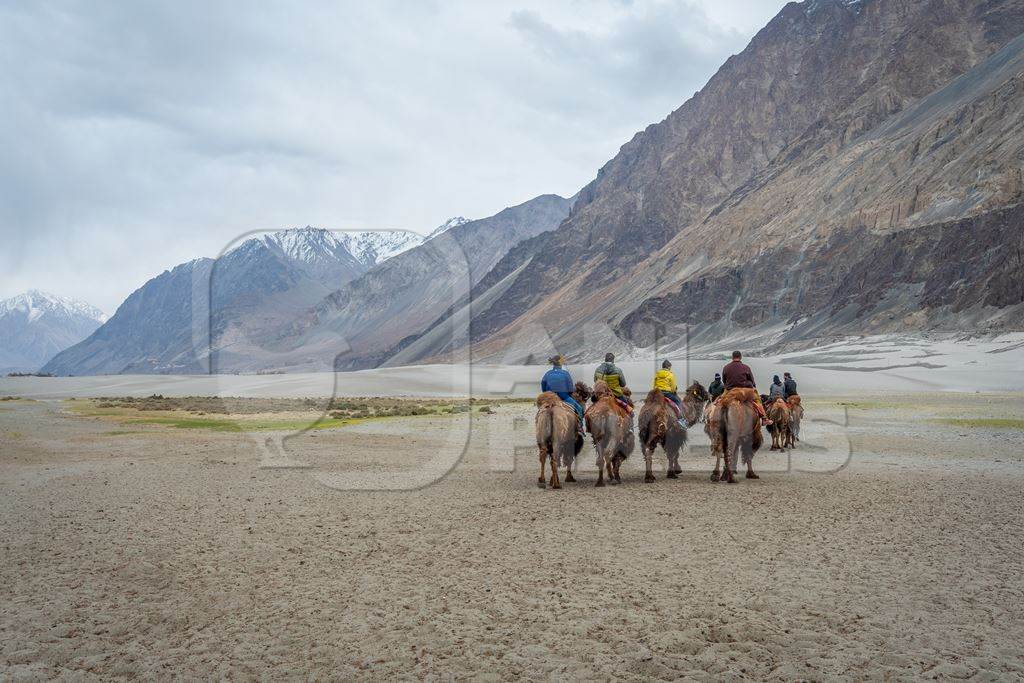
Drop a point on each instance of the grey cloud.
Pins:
(140, 135)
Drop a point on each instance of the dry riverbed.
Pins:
(147, 538)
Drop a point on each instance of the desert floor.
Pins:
(889, 544)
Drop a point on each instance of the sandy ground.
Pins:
(889, 545)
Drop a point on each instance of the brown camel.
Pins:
(659, 427)
(740, 432)
(694, 401)
(796, 414)
(610, 426)
(713, 428)
(778, 413)
(558, 438)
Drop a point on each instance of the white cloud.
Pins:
(140, 135)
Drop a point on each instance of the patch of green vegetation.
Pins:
(984, 422)
(872, 405)
(180, 420)
(118, 433)
(291, 415)
(217, 424)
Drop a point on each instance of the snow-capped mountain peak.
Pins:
(309, 245)
(34, 304)
(373, 247)
(317, 246)
(453, 222)
(35, 326)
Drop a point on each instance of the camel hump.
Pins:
(548, 400)
(655, 396)
(739, 395)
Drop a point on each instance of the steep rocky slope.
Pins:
(362, 322)
(841, 123)
(214, 314)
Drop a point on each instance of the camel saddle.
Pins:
(672, 404)
(625, 406)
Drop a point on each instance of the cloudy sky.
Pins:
(138, 135)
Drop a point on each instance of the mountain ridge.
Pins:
(36, 325)
(678, 200)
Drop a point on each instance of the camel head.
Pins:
(582, 391)
(698, 391)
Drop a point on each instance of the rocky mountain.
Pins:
(453, 222)
(205, 312)
(357, 325)
(273, 302)
(856, 168)
(35, 326)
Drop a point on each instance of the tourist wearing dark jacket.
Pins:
(716, 388)
(738, 375)
(788, 385)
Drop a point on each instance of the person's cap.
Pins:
(775, 378)
(718, 376)
(666, 364)
(609, 357)
(737, 354)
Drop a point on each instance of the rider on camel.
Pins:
(716, 388)
(612, 375)
(788, 386)
(665, 382)
(558, 380)
(738, 375)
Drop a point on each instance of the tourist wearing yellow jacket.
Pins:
(665, 382)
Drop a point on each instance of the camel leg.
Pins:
(543, 461)
(555, 484)
(648, 457)
(568, 473)
(675, 463)
(749, 457)
(673, 469)
(617, 461)
(609, 465)
(730, 467)
(600, 468)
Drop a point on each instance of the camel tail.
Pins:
(723, 428)
(545, 429)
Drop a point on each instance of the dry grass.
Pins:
(265, 414)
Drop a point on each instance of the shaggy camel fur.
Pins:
(713, 428)
(659, 427)
(610, 427)
(558, 439)
(694, 400)
(778, 413)
(796, 414)
(740, 432)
